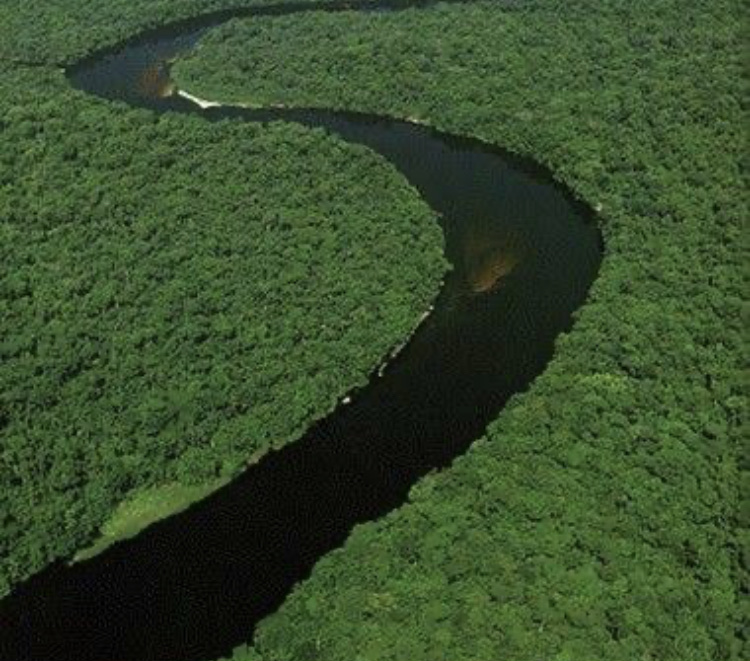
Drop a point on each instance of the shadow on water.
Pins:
(193, 586)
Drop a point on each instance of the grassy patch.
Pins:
(144, 508)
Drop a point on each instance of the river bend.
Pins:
(192, 587)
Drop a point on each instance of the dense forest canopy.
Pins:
(61, 31)
(179, 297)
(599, 516)
(596, 519)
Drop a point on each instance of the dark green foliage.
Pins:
(178, 297)
(61, 31)
(598, 518)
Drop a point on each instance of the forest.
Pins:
(601, 515)
(60, 32)
(173, 328)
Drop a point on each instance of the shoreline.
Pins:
(205, 104)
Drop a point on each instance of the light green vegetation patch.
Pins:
(144, 508)
(599, 518)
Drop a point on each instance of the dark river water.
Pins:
(192, 587)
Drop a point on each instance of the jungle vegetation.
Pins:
(600, 516)
(59, 32)
(177, 298)
(599, 519)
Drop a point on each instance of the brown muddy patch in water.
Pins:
(490, 255)
(155, 83)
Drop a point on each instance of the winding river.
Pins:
(192, 587)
